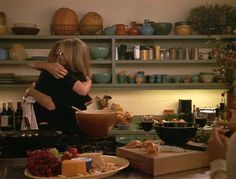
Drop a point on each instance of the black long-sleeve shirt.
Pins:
(60, 90)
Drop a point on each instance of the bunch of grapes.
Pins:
(43, 163)
(47, 163)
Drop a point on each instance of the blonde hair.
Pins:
(76, 53)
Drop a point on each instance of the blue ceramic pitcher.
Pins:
(147, 29)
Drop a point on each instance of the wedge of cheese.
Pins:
(73, 168)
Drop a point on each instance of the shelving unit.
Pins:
(114, 66)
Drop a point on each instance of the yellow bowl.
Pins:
(3, 29)
(96, 124)
(183, 30)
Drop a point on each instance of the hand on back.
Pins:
(57, 70)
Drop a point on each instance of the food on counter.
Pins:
(43, 163)
(148, 146)
(49, 162)
(103, 102)
(73, 167)
(134, 144)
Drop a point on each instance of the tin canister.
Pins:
(180, 53)
(137, 52)
(144, 54)
(194, 53)
(187, 53)
(157, 52)
(173, 53)
(151, 53)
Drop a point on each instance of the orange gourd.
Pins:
(65, 22)
(91, 24)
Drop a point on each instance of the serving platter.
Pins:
(121, 162)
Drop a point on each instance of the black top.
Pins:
(60, 90)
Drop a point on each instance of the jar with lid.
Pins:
(133, 30)
(147, 28)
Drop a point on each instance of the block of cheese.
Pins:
(73, 168)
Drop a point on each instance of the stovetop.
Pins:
(18, 148)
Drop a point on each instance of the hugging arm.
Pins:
(59, 72)
(44, 100)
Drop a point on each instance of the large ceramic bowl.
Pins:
(207, 77)
(99, 53)
(162, 28)
(101, 77)
(25, 30)
(96, 124)
(183, 30)
(175, 135)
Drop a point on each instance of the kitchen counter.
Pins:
(13, 169)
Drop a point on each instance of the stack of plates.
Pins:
(7, 78)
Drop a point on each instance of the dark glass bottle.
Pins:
(4, 118)
(18, 115)
(11, 116)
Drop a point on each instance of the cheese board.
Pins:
(164, 162)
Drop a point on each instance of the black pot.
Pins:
(32, 139)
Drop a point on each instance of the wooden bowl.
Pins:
(96, 124)
(25, 30)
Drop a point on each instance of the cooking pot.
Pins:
(30, 139)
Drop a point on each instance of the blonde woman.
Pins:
(64, 82)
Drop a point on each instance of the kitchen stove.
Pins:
(18, 148)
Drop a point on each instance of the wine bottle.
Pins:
(18, 115)
(11, 117)
(4, 118)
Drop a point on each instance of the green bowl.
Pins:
(101, 77)
(99, 53)
(162, 28)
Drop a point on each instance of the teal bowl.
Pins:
(99, 53)
(162, 28)
(101, 77)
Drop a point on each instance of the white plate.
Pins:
(123, 163)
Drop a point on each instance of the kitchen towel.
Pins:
(29, 119)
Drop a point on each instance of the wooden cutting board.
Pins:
(163, 162)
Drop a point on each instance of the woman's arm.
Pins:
(82, 88)
(56, 69)
(41, 98)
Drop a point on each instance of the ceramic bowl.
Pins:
(175, 135)
(183, 30)
(99, 53)
(3, 29)
(25, 30)
(96, 124)
(207, 77)
(101, 77)
(162, 28)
